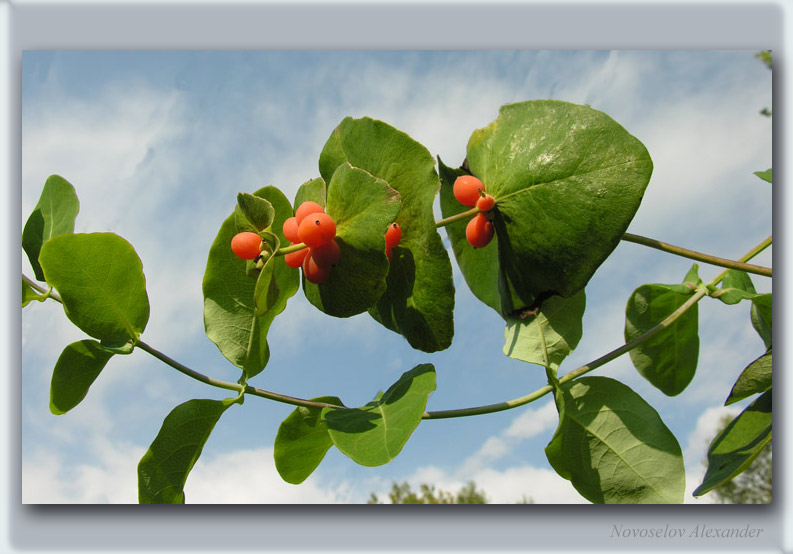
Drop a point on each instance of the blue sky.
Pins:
(158, 144)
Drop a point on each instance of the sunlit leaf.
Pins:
(53, 215)
(100, 279)
(374, 434)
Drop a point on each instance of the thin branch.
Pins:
(699, 256)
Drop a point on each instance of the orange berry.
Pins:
(307, 208)
(479, 231)
(313, 272)
(246, 245)
(468, 189)
(392, 236)
(290, 230)
(326, 255)
(295, 259)
(316, 229)
(485, 203)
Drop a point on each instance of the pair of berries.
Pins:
(317, 230)
(470, 191)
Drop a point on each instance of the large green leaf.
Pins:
(755, 378)
(53, 215)
(77, 368)
(419, 300)
(736, 447)
(567, 181)
(100, 279)
(550, 336)
(230, 304)
(614, 446)
(163, 470)
(761, 314)
(668, 359)
(479, 266)
(302, 441)
(374, 434)
(362, 206)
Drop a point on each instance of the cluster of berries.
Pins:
(317, 230)
(470, 191)
(313, 227)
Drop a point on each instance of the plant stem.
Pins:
(616, 353)
(442, 414)
(457, 217)
(289, 249)
(691, 254)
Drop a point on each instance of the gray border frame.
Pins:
(356, 25)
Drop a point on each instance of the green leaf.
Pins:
(312, 190)
(764, 175)
(53, 215)
(163, 470)
(230, 306)
(615, 447)
(551, 335)
(122, 348)
(100, 279)
(761, 317)
(736, 447)
(755, 378)
(362, 207)
(257, 210)
(302, 442)
(479, 266)
(669, 359)
(374, 434)
(567, 181)
(736, 286)
(77, 368)
(29, 294)
(419, 300)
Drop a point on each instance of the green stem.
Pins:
(693, 255)
(289, 249)
(442, 414)
(457, 217)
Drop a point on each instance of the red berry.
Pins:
(290, 230)
(307, 208)
(485, 203)
(316, 229)
(392, 236)
(479, 231)
(326, 255)
(468, 189)
(389, 254)
(246, 245)
(313, 272)
(295, 259)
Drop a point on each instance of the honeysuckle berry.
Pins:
(314, 272)
(305, 209)
(246, 245)
(316, 229)
(468, 189)
(393, 235)
(327, 255)
(485, 203)
(295, 259)
(290, 230)
(479, 231)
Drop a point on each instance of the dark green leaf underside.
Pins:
(77, 368)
